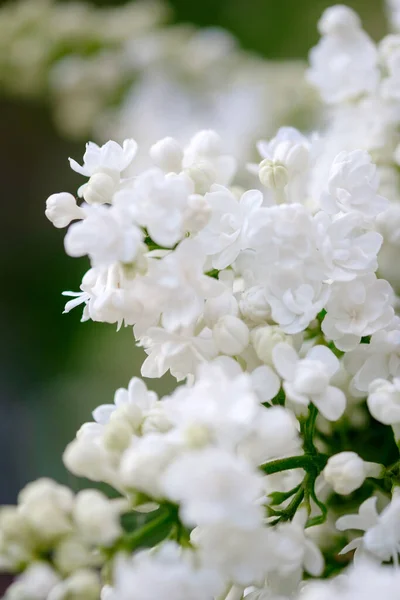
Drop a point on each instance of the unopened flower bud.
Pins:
(48, 520)
(264, 340)
(156, 420)
(231, 335)
(215, 308)
(197, 214)
(346, 472)
(100, 188)
(97, 517)
(254, 305)
(117, 435)
(61, 209)
(205, 143)
(203, 175)
(72, 553)
(197, 436)
(86, 460)
(167, 154)
(13, 524)
(384, 401)
(273, 175)
(36, 582)
(338, 19)
(81, 585)
(388, 46)
(44, 489)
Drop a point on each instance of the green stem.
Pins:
(146, 533)
(309, 430)
(289, 512)
(308, 462)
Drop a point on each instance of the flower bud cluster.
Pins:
(54, 537)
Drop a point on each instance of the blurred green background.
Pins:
(55, 370)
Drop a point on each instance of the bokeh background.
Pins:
(53, 369)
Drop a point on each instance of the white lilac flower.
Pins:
(169, 572)
(106, 235)
(181, 286)
(109, 157)
(242, 556)
(390, 54)
(36, 582)
(381, 539)
(348, 249)
(205, 162)
(285, 160)
(356, 309)
(344, 64)
(365, 580)
(308, 379)
(97, 517)
(212, 486)
(231, 335)
(353, 186)
(159, 202)
(180, 352)
(226, 233)
(144, 462)
(384, 400)
(223, 407)
(380, 359)
(292, 549)
(167, 154)
(131, 405)
(294, 300)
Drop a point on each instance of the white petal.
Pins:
(285, 360)
(266, 383)
(331, 404)
(326, 356)
(102, 413)
(313, 559)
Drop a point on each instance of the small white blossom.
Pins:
(231, 335)
(106, 235)
(357, 308)
(97, 517)
(109, 157)
(214, 487)
(382, 533)
(167, 154)
(308, 380)
(36, 583)
(205, 162)
(226, 233)
(294, 301)
(384, 400)
(159, 202)
(181, 353)
(169, 572)
(61, 209)
(285, 161)
(346, 472)
(348, 250)
(242, 556)
(293, 550)
(353, 185)
(343, 65)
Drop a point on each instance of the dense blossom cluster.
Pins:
(269, 305)
(120, 71)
